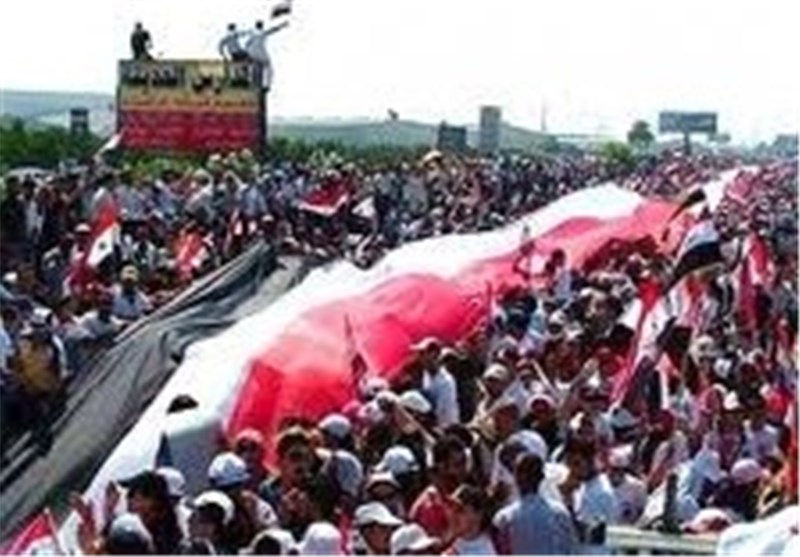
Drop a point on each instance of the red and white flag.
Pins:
(39, 537)
(191, 252)
(105, 234)
(327, 200)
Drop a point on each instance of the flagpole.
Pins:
(51, 523)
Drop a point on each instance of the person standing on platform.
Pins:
(256, 48)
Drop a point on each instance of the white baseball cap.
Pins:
(531, 443)
(746, 470)
(227, 470)
(498, 372)
(336, 425)
(321, 538)
(218, 498)
(176, 481)
(411, 538)
(398, 460)
(415, 401)
(375, 513)
(129, 528)
(378, 478)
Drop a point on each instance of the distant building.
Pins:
(785, 145)
(451, 138)
(78, 120)
(489, 129)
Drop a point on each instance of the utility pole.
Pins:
(543, 118)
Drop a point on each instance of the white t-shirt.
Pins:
(255, 45)
(631, 497)
(96, 327)
(131, 202)
(441, 387)
(482, 545)
(761, 443)
(595, 503)
(130, 308)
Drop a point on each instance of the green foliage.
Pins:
(617, 156)
(640, 136)
(46, 147)
(327, 152)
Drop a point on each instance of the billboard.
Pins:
(687, 122)
(78, 120)
(190, 105)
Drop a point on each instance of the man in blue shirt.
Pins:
(533, 525)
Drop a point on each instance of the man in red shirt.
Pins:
(450, 469)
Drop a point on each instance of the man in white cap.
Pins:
(228, 473)
(176, 485)
(337, 432)
(321, 538)
(127, 535)
(412, 539)
(212, 512)
(375, 525)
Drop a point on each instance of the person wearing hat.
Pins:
(147, 495)
(127, 535)
(273, 541)
(337, 432)
(495, 380)
(375, 524)
(40, 369)
(740, 492)
(129, 302)
(404, 466)
(228, 473)
(176, 485)
(542, 417)
(382, 487)
(211, 513)
(321, 538)
(411, 539)
(469, 510)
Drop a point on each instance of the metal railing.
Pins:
(635, 541)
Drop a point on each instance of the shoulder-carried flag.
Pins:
(699, 249)
(105, 232)
(39, 537)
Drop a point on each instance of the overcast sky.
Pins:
(595, 64)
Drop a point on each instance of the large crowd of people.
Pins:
(508, 442)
